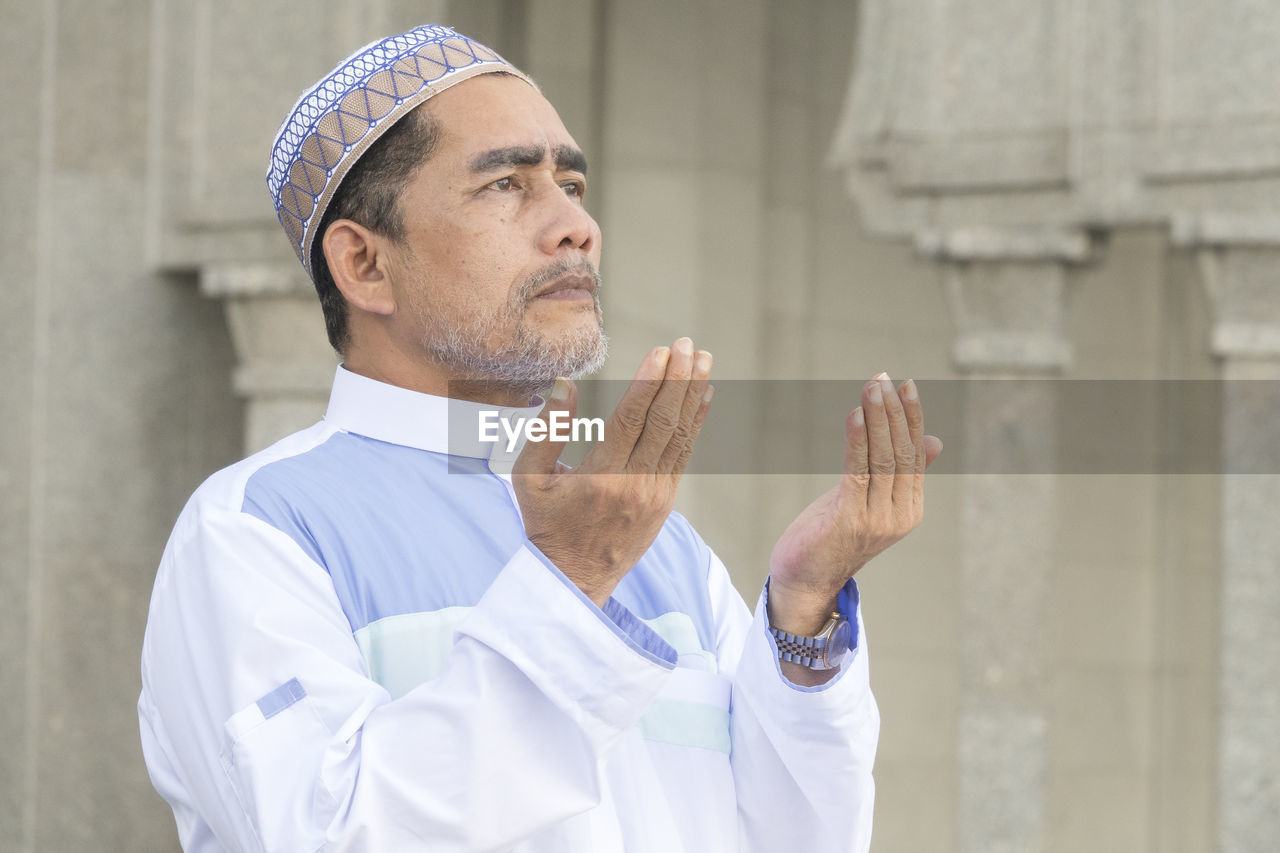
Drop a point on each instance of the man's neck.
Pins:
(439, 381)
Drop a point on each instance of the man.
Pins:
(379, 635)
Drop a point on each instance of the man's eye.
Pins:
(575, 188)
(502, 184)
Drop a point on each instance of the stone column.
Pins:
(1240, 263)
(1007, 291)
(225, 75)
(284, 362)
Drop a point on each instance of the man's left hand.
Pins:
(879, 500)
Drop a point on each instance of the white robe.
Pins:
(352, 646)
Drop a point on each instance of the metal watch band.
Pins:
(793, 649)
(809, 652)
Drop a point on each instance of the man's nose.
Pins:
(567, 225)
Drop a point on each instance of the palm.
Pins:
(879, 498)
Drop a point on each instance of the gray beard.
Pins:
(527, 363)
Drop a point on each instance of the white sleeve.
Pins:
(258, 715)
(802, 756)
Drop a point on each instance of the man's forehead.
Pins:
(500, 121)
(501, 108)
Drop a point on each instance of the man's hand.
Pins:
(879, 500)
(596, 521)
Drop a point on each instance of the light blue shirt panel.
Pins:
(396, 532)
(399, 533)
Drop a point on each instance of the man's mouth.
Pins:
(570, 288)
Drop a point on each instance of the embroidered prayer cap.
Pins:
(335, 121)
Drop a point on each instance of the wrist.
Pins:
(595, 583)
(798, 609)
(808, 657)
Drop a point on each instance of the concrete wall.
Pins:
(117, 403)
(708, 125)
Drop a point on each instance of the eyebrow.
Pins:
(567, 158)
(570, 159)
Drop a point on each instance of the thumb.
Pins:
(540, 457)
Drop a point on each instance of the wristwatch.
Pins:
(825, 651)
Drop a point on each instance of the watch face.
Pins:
(838, 645)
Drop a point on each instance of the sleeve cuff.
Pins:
(602, 671)
(622, 622)
(847, 602)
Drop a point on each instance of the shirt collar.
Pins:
(364, 406)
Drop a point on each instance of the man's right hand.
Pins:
(596, 521)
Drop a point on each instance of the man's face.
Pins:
(496, 276)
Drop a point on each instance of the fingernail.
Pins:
(881, 376)
(709, 393)
(560, 392)
(663, 356)
(909, 387)
(886, 384)
(874, 393)
(684, 346)
(858, 418)
(702, 361)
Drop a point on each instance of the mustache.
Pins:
(536, 282)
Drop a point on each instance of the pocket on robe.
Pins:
(691, 710)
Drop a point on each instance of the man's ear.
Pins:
(353, 254)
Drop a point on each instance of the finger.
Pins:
(856, 477)
(541, 458)
(663, 417)
(880, 462)
(904, 463)
(909, 398)
(684, 435)
(699, 418)
(932, 449)
(626, 423)
(909, 395)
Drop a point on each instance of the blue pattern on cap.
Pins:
(336, 120)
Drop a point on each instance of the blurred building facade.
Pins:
(820, 189)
